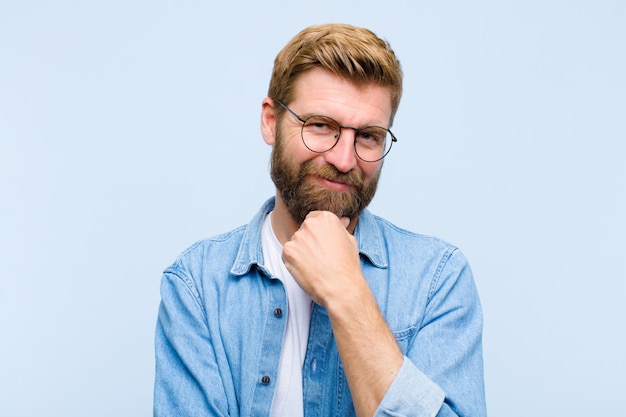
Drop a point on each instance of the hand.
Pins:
(323, 257)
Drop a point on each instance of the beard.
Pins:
(302, 195)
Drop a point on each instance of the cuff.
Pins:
(411, 393)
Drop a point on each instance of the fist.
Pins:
(323, 257)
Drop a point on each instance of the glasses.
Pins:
(320, 134)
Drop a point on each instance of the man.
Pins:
(317, 307)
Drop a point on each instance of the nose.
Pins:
(342, 155)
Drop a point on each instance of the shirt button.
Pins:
(278, 312)
(265, 380)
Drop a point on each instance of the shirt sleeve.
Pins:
(402, 399)
(442, 372)
(187, 382)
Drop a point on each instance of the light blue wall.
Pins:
(130, 129)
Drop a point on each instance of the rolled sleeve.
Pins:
(402, 399)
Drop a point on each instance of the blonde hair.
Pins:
(351, 52)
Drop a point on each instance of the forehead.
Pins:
(318, 91)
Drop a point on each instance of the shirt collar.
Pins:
(367, 233)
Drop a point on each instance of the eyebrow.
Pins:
(307, 115)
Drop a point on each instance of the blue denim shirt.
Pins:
(222, 320)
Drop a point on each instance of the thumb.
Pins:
(345, 221)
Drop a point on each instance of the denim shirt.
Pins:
(222, 319)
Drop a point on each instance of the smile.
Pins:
(333, 185)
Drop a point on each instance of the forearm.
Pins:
(369, 353)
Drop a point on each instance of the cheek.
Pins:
(300, 154)
(293, 148)
(370, 170)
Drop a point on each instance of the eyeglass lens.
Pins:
(321, 133)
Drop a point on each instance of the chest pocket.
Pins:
(404, 337)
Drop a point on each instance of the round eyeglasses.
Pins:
(321, 133)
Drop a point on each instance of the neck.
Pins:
(283, 224)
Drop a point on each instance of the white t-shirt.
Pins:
(287, 400)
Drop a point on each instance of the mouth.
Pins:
(333, 185)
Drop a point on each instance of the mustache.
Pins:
(329, 172)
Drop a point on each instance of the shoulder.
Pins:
(381, 234)
(203, 266)
(215, 248)
(211, 257)
(219, 257)
(392, 230)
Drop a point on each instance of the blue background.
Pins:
(130, 129)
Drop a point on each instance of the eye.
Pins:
(319, 125)
(372, 136)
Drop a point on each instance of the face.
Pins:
(301, 189)
(336, 180)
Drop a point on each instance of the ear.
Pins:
(268, 121)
